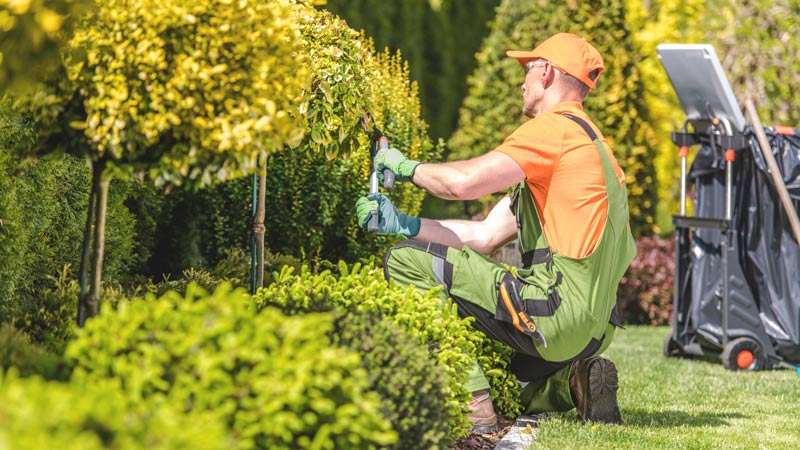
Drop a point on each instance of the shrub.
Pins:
(47, 415)
(413, 387)
(494, 358)
(645, 292)
(434, 323)
(49, 315)
(43, 204)
(17, 350)
(276, 381)
(315, 197)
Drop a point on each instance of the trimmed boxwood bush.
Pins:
(413, 387)
(276, 381)
(401, 370)
(361, 288)
(38, 414)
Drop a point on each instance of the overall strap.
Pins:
(583, 125)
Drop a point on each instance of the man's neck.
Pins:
(553, 98)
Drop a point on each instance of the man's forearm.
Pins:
(458, 233)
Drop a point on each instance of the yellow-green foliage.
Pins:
(185, 88)
(664, 21)
(758, 52)
(340, 90)
(494, 357)
(32, 32)
(758, 45)
(397, 112)
(38, 414)
(494, 105)
(449, 339)
(276, 382)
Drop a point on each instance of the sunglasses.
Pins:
(531, 64)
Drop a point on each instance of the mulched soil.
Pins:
(484, 441)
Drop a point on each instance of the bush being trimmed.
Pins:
(276, 381)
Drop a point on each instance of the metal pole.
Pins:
(253, 238)
(683, 153)
(727, 237)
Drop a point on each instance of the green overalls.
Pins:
(556, 308)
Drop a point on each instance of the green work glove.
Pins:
(390, 220)
(394, 160)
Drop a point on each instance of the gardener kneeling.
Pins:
(568, 209)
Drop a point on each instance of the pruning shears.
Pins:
(377, 143)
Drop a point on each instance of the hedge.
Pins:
(38, 414)
(276, 382)
(43, 203)
(433, 322)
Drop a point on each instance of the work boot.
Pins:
(482, 414)
(593, 383)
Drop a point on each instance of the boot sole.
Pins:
(602, 393)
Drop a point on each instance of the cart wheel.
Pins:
(671, 347)
(743, 354)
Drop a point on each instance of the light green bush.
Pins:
(28, 358)
(38, 414)
(275, 381)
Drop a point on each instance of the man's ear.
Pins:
(548, 75)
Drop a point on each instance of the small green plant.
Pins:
(494, 358)
(48, 315)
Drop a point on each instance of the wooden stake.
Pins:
(774, 171)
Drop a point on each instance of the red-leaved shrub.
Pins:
(645, 291)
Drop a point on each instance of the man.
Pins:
(567, 207)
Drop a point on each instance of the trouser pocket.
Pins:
(520, 310)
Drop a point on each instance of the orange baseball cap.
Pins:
(570, 53)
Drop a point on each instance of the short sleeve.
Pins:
(536, 146)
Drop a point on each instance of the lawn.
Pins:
(676, 403)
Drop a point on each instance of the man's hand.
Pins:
(394, 160)
(390, 220)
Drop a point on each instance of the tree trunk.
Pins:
(85, 254)
(99, 245)
(258, 221)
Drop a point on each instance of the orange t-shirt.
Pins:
(563, 169)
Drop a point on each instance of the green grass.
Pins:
(676, 403)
